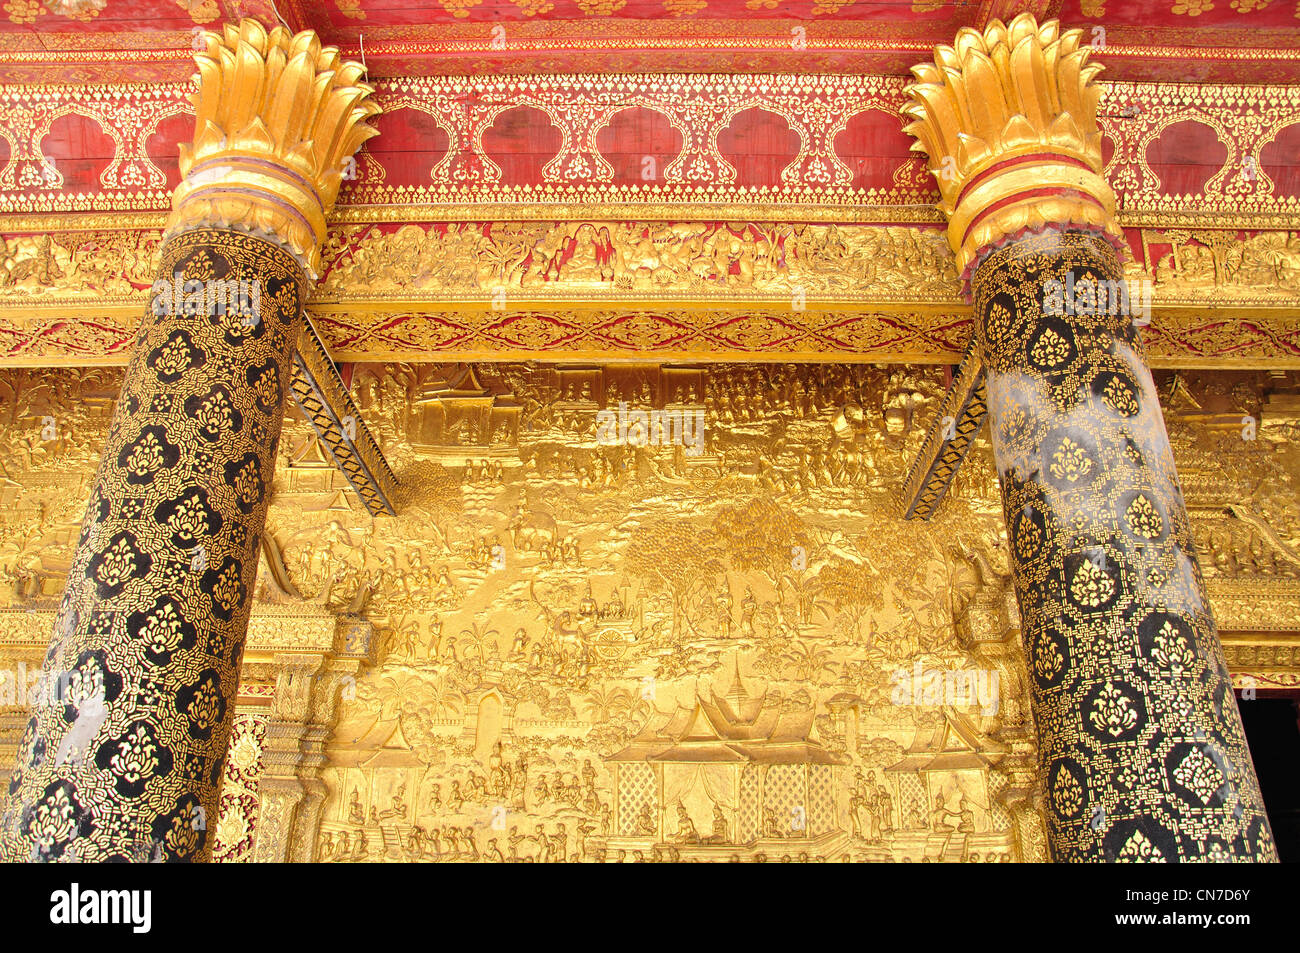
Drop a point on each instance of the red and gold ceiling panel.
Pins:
(649, 179)
(150, 40)
(765, 146)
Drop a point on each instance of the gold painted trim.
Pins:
(849, 213)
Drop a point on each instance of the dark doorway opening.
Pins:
(1272, 722)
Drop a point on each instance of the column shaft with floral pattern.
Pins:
(123, 755)
(1142, 751)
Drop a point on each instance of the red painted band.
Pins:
(1032, 193)
(1037, 157)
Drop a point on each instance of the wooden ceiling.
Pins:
(84, 41)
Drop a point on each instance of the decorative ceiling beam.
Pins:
(700, 291)
(326, 403)
(1229, 338)
(990, 10)
(727, 37)
(948, 440)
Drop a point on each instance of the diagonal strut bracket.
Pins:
(961, 415)
(325, 401)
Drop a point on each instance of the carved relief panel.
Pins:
(644, 612)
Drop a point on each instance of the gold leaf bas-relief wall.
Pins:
(725, 643)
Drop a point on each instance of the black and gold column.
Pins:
(1142, 752)
(122, 757)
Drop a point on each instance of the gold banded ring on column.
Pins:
(254, 195)
(1026, 192)
(1007, 120)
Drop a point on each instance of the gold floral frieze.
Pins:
(707, 290)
